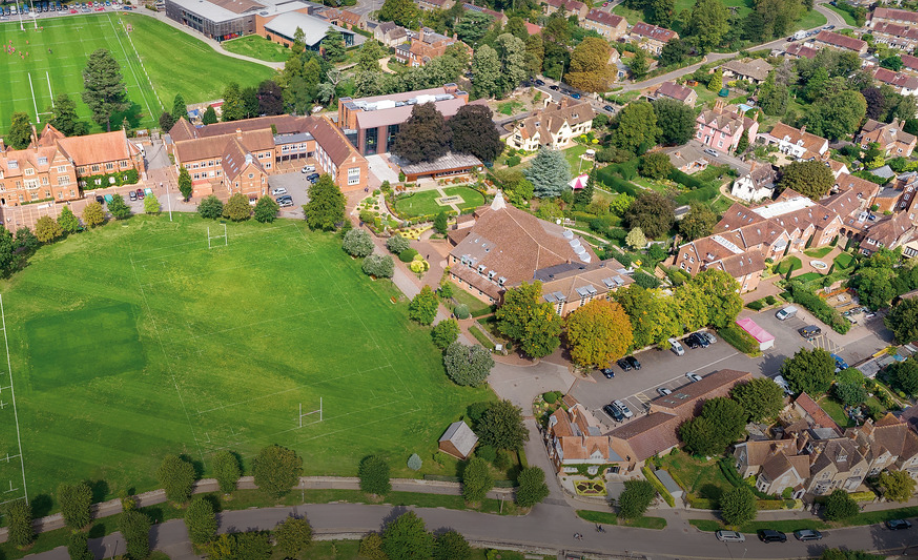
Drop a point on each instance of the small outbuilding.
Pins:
(765, 339)
(669, 483)
(458, 440)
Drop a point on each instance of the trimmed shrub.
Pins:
(739, 339)
(407, 255)
(461, 311)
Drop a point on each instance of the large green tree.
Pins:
(476, 480)
(635, 128)
(598, 333)
(326, 204)
(374, 475)
(501, 426)
(451, 545)
(104, 91)
(266, 210)
(401, 12)
(699, 222)
(532, 488)
(809, 178)
(425, 136)
(653, 212)
(277, 470)
(840, 506)
(720, 293)
(549, 173)
(590, 70)
(64, 117)
(652, 315)
(176, 476)
(406, 538)
(511, 51)
(760, 398)
(424, 306)
(201, 521)
(294, 536)
(635, 499)
(837, 116)
(897, 486)
(529, 320)
(474, 132)
(225, 468)
(675, 120)
(486, 72)
(233, 107)
(467, 365)
(19, 135)
(738, 506)
(76, 504)
(135, 528)
(902, 320)
(809, 371)
(185, 186)
(237, 208)
(19, 523)
(68, 221)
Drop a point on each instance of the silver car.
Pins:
(709, 337)
(664, 391)
(693, 377)
(730, 536)
(278, 191)
(623, 408)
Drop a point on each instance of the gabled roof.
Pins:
(819, 416)
(890, 232)
(461, 436)
(800, 137)
(688, 395)
(649, 434)
(893, 14)
(756, 68)
(674, 91)
(885, 134)
(236, 159)
(896, 79)
(605, 18)
(842, 453)
(801, 50)
(98, 148)
(653, 32)
(332, 140)
(896, 30)
(841, 41)
(910, 62)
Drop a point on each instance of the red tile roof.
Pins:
(842, 41)
(653, 32)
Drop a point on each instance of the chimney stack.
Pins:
(239, 133)
(803, 130)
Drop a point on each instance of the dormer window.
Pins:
(13, 164)
(42, 161)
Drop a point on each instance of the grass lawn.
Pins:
(835, 409)
(702, 478)
(572, 155)
(258, 47)
(474, 304)
(791, 262)
(425, 202)
(844, 260)
(510, 107)
(481, 338)
(609, 518)
(175, 62)
(808, 277)
(133, 341)
(818, 253)
(849, 19)
(810, 20)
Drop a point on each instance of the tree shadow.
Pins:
(396, 512)
(100, 490)
(197, 464)
(711, 492)
(133, 114)
(214, 501)
(42, 505)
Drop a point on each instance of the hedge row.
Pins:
(739, 339)
(652, 478)
(704, 194)
(818, 307)
(129, 177)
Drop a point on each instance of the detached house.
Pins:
(390, 34)
(651, 37)
(682, 94)
(566, 7)
(756, 185)
(797, 143)
(610, 26)
(574, 438)
(721, 128)
(755, 70)
(775, 464)
(429, 45)
(887, 233)
(891, 137)
(554, 126)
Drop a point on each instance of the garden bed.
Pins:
(590, 487)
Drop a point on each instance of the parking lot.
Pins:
(663, 368)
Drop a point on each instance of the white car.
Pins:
(664, 391)
(278, 191)
(308, 169)
(623, 408)
(693, 377)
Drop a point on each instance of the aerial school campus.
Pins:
(426, 279)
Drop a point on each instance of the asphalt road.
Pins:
(663, 368)
(547, 526)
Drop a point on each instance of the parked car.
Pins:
(278, 191)
(285, 202)
(575, 95)
(632, 361)
(623, 407)
(309, 168)
(709, 337)
(730, 536)
(693, 377)
(609, 108)
(808, 535)
(840, 364)
(132, 195)
(769, 535)
(312, 178)
(810, 331)
(898, 524)
(664, 391)
(676, 347)
(539, 83)
(607, 372)
(613, 412)
(711, 152)
(695, 340)
(140, 194)
(625, 364)
(786, 313)
(554, 88)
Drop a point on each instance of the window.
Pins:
(62, 169)
(353, 176)
(720, 144)
(251, 175)
(109, 166)
(95, 168)
(29, 171)
(44, 180)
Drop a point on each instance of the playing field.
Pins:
(137, 340)
(157, 61)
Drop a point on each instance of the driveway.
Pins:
(379, 168)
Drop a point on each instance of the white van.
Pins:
(677, 347)
(786, 313)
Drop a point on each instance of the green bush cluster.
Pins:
(818, 307)
(407, 255)
(739, 339)
(658, 486)
(129, 177)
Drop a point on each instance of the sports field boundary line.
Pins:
(142, 65)
(9, 371)
(128, 61)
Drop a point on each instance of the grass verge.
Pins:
(609, 518)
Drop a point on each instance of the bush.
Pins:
(818, 307)
(19, 524)
(396, 244)
(645, 280)
(487, 453)
(468, 366)
(551, 397)
(380, 266)
(374, 475)
(461, 311)
(211, 208)
(637, 497)
(357, 243)
(756, 305)
(294, 536)
(532, 488)
(840, 506)
(407, 255)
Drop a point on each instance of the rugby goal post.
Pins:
(211, 238)
(302, 414)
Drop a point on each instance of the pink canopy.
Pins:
(579, 182)
(761, 335)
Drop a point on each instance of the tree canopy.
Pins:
(675, 120)
(474, 133)
(809, 178)
(809, 371)
(760, 398)
(425, 136)
(598, 333)
(653, 212)
(902, 320)
(635, 127)
(277, 470)
(501, 426)
(468, 365)
(635, 499)
(529, 320)
(374, 475)
(549, 173)
(326, 204)
(406, 538)
(104, 91)
(590, 70)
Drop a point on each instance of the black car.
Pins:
(768, 535)
(615, 413)
(539, 83)
(625, 364)
(695, 340)
(609, 108)
(633, 361)
(554, 88)
(607, 372)
(702, 339)
(810, 331)
(312, 178)
(100, 199)
(898, 524)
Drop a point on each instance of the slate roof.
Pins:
(653, 32)
(461, 436)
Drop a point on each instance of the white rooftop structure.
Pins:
(783, 207)
(314, 29)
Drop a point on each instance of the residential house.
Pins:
(805, 408)
(502, 247)
(895, 36)
(651, 38)
(689, 158)
(904, 84)
(755, 70)
(721, 128)
(430, 5)
(890, 137)
(555, 125)
(837, 41)
(390, 34)
(887, 233)
(776, 464)
(797, 143)
(680, 93)
(909, 63)
(429, 45)
(838, 168)
(566, 7)
(574, 439)
(888, 444)
(610, 26)
(756, 185)
(656, 433)
(499, 17)
(838, 464)
(800, 50)
(881, 16)
(345, 19)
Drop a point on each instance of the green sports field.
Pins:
(136, 340)
(157, 61)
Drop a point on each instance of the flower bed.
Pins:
(590, 487)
